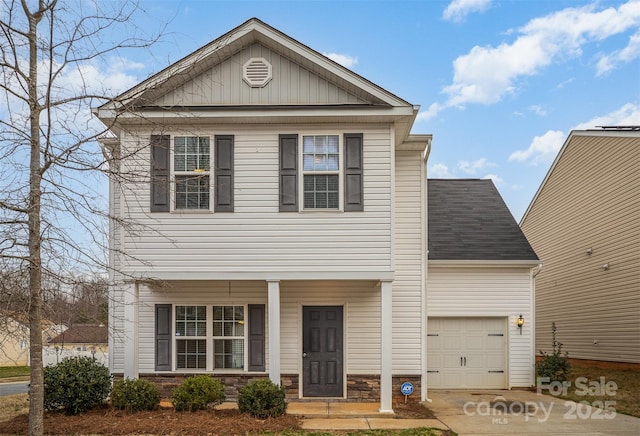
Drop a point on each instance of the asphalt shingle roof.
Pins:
(468, 220)
(83, 334)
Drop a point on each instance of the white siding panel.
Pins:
(291, 85)
(488, 292)
(409, 263)
(256, 237)
(361, 302)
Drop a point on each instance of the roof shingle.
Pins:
(468, 220)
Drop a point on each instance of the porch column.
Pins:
(274, 330)
(386, 349)
(130, 330)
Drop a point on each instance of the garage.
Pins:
(466, 353)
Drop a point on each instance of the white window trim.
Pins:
(209, 338)
(339, 172)
(175, 173)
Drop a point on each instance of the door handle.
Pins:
(465, 361)
(304, 354)
(461, 361)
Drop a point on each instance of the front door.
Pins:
(322, 368)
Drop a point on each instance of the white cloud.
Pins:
(459, 9)
(542, 149)
(433, 110)
(487, 74)
(538, 110)
(472, 167)
(439, 171)
(496, 179)
(610, 62)
(342, 59)
(627, 115)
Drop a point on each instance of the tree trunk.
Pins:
(36, 389)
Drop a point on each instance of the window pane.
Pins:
(229, 353)
(192, 192)
(191, 321)
(321, 153)
(191, 353)
(321, 191)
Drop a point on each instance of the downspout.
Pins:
(425, 250)
(533, 320)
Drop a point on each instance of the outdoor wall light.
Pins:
(520, 322)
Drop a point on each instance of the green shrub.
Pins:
(555, 366)
(262, 399)
(197, 393)
(75, 385)
(135, 395)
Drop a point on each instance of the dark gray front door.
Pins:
(322, 351)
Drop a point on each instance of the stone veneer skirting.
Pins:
(359, 387)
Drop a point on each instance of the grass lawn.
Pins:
(14, 371)
(621, 387)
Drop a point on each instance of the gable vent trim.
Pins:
(257, 72)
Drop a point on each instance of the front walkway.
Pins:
(326, 415)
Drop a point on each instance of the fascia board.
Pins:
(483, 263)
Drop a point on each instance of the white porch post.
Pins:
(386, 347)
(131, 330)
(274, 330)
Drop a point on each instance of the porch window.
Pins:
(228, 337)
(191, 166)
(191, 327)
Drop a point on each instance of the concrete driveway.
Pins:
(495, 412)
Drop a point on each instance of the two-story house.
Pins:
(270, 220)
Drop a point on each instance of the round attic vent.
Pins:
(256, 72)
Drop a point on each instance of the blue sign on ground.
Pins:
(406, 388)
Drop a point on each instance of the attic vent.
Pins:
(256, 72)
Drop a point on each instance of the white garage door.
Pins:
(466, 353)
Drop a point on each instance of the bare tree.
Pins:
(52, 208)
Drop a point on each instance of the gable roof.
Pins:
(250, 32)
(629, 132)
(469, 221)
(83, 334)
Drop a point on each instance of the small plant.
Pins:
(262, 399)
(135, 395)
(197, 393)
(76, 384)
(555, 366)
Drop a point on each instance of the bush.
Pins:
(135, 395)
(197, 393)
(262, 399)
(555, 366)
(76, 384)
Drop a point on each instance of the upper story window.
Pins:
(197, 176)
(321, 171)
(324, 172)
(191, 167)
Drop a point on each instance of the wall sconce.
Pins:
(520, 322)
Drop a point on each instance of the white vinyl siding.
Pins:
(361, 301)
(291, 84)
(257, 237)
(590, 200)
(409, 263)
(495, 292)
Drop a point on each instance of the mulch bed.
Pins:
(106, 420)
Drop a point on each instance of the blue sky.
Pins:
(500, 83)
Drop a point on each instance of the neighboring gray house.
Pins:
(584, 223)
(479, 283)
(285, 206)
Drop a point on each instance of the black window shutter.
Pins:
(353, 195)
(256, 337)
(288, 173)
(223, 173)
(159, 173)
(163, 337)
